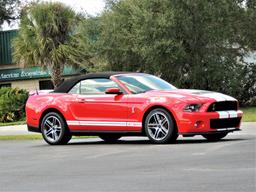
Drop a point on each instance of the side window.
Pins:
(96, 86)
(75, 89)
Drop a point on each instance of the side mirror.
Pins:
(113, 91)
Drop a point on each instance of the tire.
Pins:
(54, 129)
(110, 138)
(160, 127)
(215, 136)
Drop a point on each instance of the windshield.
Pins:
(142, 83)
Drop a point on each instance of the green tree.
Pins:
(191, 43)
(89, 29)
(48, 37)
(8, 10)
(249, 22)
(248, 38)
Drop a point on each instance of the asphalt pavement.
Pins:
(132, 164)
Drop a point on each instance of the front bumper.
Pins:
(229, 130)
(198, 123)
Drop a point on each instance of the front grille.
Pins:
(223, 106)
(225, 123)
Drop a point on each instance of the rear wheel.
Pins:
(160, 127)
(215, 136)
(54, 129)
(110, 138)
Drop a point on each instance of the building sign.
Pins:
(32, 73)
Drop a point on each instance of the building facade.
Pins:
(30, 78)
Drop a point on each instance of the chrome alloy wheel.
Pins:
(52, 128)
(158, 126)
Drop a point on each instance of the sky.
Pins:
(92, 7)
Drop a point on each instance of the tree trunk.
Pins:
(56, 74)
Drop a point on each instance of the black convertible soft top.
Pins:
(66, 85)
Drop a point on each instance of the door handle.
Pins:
(81, 100)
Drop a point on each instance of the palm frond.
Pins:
(46, 37)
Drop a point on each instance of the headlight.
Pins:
(192, 107)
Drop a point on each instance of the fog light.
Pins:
(199, 124)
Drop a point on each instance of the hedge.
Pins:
(12, 104)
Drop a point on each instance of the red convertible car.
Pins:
(112, 105)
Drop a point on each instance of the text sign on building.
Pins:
(31, 73)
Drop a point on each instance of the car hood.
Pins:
(192, 94)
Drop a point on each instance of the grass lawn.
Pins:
(21, 137)
(13, 123)
(249, 114)
(34, 137)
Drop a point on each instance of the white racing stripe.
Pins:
(229, 114)
(232, 114)
(133, 124)
(100, 123)
(223, 114)
(73, 123)
(228, 98)
(105, 123)
(218, 96)
(215, 96)
(210, 94)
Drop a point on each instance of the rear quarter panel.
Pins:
(38, 104)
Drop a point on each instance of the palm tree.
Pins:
(48, 38)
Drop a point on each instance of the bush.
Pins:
(12, 104)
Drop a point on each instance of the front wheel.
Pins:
(215, 136)
(54, 129)
(160, 127)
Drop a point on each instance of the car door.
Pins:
(96, 110)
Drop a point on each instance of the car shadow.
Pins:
(202, 141)
(147, 142)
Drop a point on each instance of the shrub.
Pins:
(12, 104)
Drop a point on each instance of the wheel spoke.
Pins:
(158, 118)
(54, 121)
(57, 128)
(164, 130)
(163, 121)
(48, 132)
(153, 126)
(54, 135)
(157, 133)
(48, 123)
(155, 119)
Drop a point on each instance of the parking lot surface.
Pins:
(132, 164)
